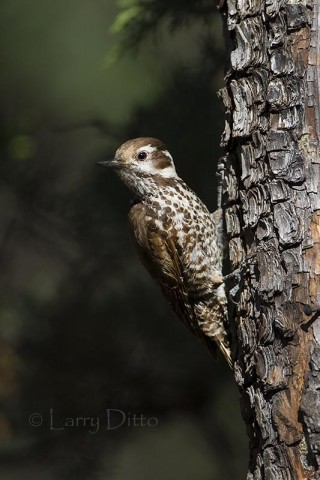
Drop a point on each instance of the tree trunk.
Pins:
(271, 203)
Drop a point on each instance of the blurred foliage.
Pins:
(83, 328)
(138, 18)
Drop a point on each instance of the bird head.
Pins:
(142, 162)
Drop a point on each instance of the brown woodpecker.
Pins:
(177, 239)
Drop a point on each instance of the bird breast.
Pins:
(180, 215)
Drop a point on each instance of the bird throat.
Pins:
(145, 186)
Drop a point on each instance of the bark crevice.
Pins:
(271, 203)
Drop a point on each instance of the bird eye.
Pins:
(142, 155)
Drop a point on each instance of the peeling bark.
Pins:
(271, 202)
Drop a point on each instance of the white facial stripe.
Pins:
(168, 172)
(148, 167)
(167, 154)
(147, 148)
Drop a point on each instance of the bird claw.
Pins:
(233, 275)
(234, 291)
(236, 277)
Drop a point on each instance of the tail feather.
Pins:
(211, 322)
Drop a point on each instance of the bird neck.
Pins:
(149, 187)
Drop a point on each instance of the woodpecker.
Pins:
(177, 239)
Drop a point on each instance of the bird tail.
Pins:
(225, 350)
(211, 322)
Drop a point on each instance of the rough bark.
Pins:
(271, 201)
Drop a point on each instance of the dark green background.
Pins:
(83, 328)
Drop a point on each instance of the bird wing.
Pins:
(161, 258)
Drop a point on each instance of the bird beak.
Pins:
(114, 163)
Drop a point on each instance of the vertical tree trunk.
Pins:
(271, 202)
